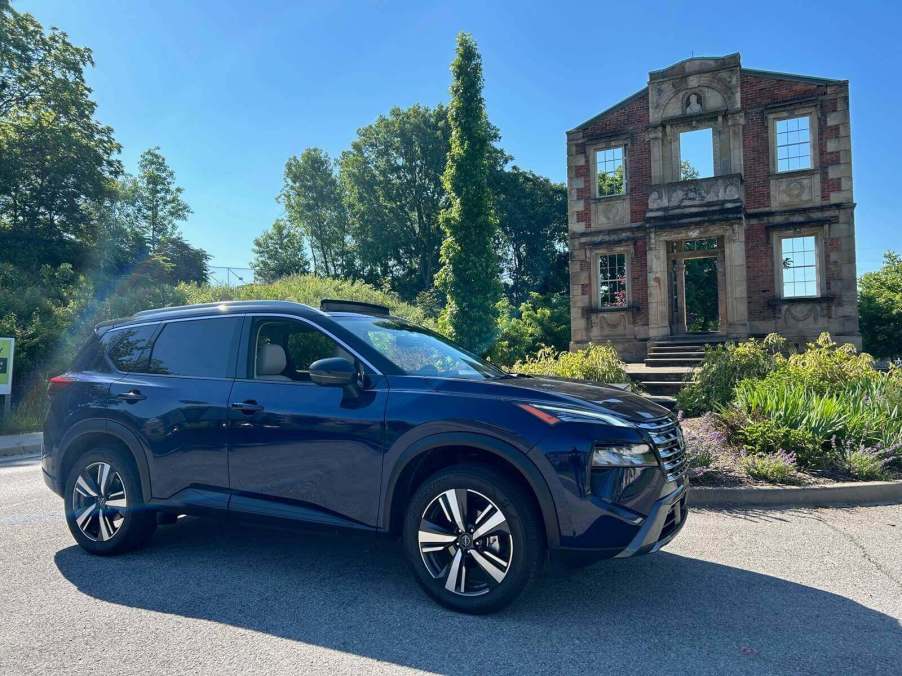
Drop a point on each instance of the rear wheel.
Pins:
(472, 538)
(105, 511)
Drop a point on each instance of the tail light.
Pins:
(57, 383)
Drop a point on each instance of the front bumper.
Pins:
(666, 518)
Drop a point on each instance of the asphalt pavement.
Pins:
(812, 591)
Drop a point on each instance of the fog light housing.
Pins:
(624, 455)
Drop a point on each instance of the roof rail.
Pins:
(335, 305)
(157, 310)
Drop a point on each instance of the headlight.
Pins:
(624, 455)
(554, 414)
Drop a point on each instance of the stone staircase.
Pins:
(668, 365)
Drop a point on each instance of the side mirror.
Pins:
(335, 371)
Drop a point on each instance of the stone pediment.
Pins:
(695, 65)
(693, 87)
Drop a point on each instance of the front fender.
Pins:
(406, 451)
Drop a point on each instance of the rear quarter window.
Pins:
(129, 348)
(90, 357)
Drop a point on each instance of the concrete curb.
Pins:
(21, 444)
(854, 493)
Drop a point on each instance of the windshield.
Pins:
(418, 351)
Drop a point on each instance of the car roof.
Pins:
(225, 308)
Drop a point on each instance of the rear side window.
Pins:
(129, 348)
(90, 357)
(204, 348)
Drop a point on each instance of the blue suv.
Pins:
(349, 417)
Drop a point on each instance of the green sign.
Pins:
(7, 347)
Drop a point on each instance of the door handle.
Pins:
(131, 396)
(247, 406)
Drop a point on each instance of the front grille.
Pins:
(668, 440)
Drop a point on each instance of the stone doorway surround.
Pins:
(677, 258)
(732, 291)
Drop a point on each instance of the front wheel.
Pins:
(473, 539)
(105, 511)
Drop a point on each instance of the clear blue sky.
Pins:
(229, 90)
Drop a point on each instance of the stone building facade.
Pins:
(762, 240)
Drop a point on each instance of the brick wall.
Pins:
(758, 93)
(631, 119)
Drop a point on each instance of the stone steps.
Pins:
(663, 387)
(697, 354)
(668, 366)
(673, 361)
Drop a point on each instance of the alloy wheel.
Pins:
(465, 540)
(99, 502)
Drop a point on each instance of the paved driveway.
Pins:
(813, 591)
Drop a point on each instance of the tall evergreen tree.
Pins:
(469, 275)
(160, 206)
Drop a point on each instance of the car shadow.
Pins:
(353, 593)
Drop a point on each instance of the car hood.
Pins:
(621, 403)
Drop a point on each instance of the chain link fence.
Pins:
(221, 275)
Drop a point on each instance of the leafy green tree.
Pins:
(880, 308)
(184, 263)
(55, 158)
(158, 199)
(469, 273)
(392, 181)
(313, 203)
(279, 252)
(688, 171)
(532, 217)
(119, 244)
(541, 321)
(611, 183)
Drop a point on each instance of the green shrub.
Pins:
(781, 411)
(702, 457)
(861, 412)
(308, 289)
(777, 468)
(597, 363)
(825, 365)
(767, 437)
(542, 321)
(723, 367)
(867, 465)
(880, 308)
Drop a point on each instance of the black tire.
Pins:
(127, 522)
(521, 547)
